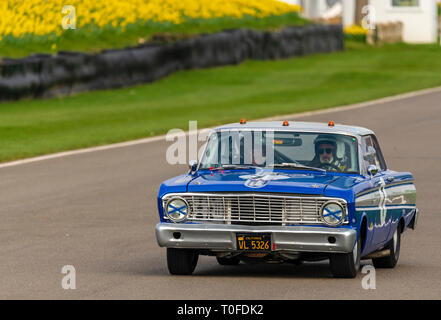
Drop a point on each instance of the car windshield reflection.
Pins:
(281, 149)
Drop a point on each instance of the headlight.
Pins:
(176, 209)
(332, 213)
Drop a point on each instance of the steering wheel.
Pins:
(329, 165)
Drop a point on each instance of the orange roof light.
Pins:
(331, 123)
(285, 123)
(243, 121)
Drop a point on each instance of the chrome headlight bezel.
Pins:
(342, 210)
(168, 202)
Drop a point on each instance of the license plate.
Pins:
(254, 242)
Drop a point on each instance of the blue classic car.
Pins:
(287, 192)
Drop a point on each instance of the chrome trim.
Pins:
(221, 237)
(277, 209)
(376, 208)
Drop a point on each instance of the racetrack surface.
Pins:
(97, 211)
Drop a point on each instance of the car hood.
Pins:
(261, 181)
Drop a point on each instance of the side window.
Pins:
(380, 157)
(370, 143)
(405, 3)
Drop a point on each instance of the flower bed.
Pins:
(39, 18)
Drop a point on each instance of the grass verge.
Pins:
(254, 89)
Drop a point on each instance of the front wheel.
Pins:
(394, 253)
(181, 261)
(346, 265)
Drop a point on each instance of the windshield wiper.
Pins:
(236, 166)
(296, 166)
(230, 167)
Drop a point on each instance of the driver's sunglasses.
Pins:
(327, 150)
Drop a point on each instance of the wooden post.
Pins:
(359, 4)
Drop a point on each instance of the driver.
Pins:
(326, 154)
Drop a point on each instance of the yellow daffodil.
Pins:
(355, 30)
(42, 17)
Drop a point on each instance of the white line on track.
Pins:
(162, 137)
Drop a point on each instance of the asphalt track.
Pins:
(97, 212)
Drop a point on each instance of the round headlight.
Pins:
(332, 213)
(176, 209)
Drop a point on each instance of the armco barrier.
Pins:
(71, 72)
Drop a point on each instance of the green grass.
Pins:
(254, 89)
(94, 39)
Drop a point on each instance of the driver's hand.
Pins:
(330, 167)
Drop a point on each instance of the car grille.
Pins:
(256, 208)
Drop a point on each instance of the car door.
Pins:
(378, 213)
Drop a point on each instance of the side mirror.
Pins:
(193, 165)
(372, 170)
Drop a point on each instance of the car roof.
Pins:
(297, 126)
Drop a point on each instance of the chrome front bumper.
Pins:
(221, 237)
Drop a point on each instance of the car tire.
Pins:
(228, 261)
(346, 265)
(181, 261)
(394, 249)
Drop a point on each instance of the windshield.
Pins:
(281, 149)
